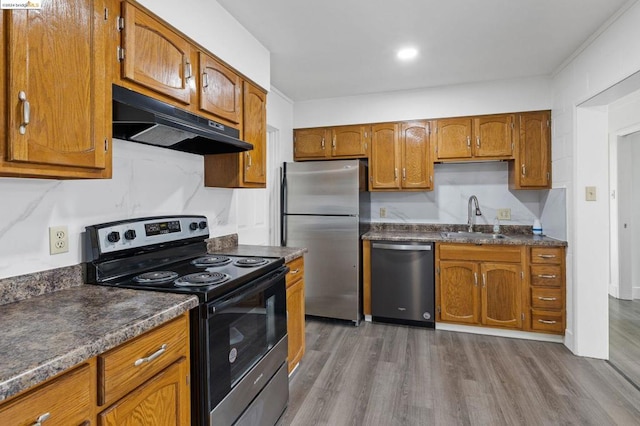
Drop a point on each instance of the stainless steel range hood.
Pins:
(139, 118)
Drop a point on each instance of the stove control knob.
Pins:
(193, 226)
(202, 224)
(113, 237)
(130, 234)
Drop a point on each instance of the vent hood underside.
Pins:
(140, 118)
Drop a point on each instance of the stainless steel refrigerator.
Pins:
(325, 207)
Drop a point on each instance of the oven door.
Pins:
(246, 344)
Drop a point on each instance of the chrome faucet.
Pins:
(472, 199)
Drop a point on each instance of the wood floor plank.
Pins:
(380, 374)
(624, 337)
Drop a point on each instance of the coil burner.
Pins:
(211, 261)
(156, 277)
(250, 262)
(202, 279)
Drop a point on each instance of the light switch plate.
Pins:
(590, 193)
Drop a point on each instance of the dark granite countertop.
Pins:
(289, 253)
(47, 334)
(517, 235)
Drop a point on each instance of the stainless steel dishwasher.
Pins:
(402, 282)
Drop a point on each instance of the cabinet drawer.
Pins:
(546, 276)
(548, 255)
(480, 253)
(547, 298)
(296, 271)
(66, 399)
(547, 321)
(129, 365)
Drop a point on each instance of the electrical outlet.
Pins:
(504, 214)
(58, 239)
(590, 193)
(383, 212)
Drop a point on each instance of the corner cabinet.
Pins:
(55, 115)
(295, 312)
(480, 285)
(532, 167)
(400, 157)
(246, 169)
(331, 143)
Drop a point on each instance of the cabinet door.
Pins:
(58, 97)
(384, 161)
(255, 132)
(311, 144)
(417, 166)
(295, 323)
(493, 136)
(220, 90)
(459, 292)
(350, 141)
(161, 401)
(501, 295)
(453, 138)
(154, 56)
(534, 153)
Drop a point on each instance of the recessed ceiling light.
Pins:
(407, 53)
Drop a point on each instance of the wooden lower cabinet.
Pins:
(295, 312)
(547, 292)
(479, 285)
(143, 382)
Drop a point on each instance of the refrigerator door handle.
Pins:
(283, 205)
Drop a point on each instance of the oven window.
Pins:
(241, 334)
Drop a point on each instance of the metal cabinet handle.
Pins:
(546, 321)
(41, 418)
(322, 143)
(547, 256)
(333, 143)
(151, 357)
(468, 141)
(524, 171)
(478, 141)
(205, 80)
(26, 112)
(547, 276)
(188, 71)
(484, 280)
(404, 173)
(475, 279)
(395, 173)
(249, 162)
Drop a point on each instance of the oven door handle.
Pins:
(247, 291)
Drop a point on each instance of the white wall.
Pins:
(147, 181)
(580, 158)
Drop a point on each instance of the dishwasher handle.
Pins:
(403, 247)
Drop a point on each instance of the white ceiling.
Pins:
(333, 48)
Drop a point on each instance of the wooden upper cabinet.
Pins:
(415, 152)
(384, 162)
(350, 141)
(493, 136)
(532, 168)
(311, 144)
(255, 132)
(58, 92)
(453, 138)
(154, 56)
(220, 90)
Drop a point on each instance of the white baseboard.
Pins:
(635, 293)
(515, 334)
(614, 291)
(368, 318)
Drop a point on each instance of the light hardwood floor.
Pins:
(379, 374)
(624, 337)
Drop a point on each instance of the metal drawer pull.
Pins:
(547, 276)
(546, 321)
(294, 271)
(547, 256)
(548, 299)
(151, 357)
(41, 419)
(26, 112)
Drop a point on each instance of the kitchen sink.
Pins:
(464, 235)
